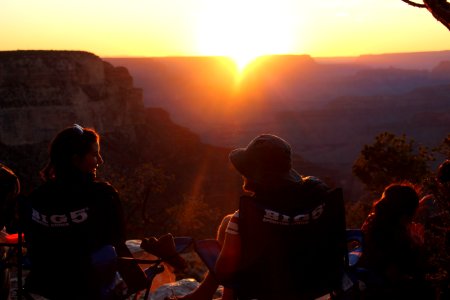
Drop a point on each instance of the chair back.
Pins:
(208, 250)
(292, 254)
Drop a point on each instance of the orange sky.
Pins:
(242, 29)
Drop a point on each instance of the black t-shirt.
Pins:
(66, 223)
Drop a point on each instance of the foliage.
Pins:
(391, 159)
(139, 186)
(194, 217)
(356, 212)
(444, 147)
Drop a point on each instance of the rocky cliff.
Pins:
(44, 91)
(161, 169)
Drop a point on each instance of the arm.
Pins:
(117, 226)
(110, 219)
(228, 262)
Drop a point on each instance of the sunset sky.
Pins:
(242, 29)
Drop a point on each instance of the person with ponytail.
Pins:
(393, 247)
(71, 216)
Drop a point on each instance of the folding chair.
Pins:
(310, 264)
(208, 250)
(106, 262)
(12, 257)
(355, 246)
(166, 249)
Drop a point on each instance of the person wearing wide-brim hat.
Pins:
(266, 166)
(269, 177)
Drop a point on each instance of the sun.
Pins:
(244, 30)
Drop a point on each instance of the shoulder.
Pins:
(426, 207)
(314, 182)
(104, 187)
(369, 223)
(233, 223)
(311, 186)
(104, 195)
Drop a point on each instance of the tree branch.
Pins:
(414, 4)
(440, 9)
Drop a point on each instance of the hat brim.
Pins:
(239, 159)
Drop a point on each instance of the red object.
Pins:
(13, 238)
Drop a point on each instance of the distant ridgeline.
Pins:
(327, 108)
(161, 169)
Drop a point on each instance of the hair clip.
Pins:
(78, 128)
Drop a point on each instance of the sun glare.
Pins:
(244, 30)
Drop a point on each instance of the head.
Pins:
(265, 162)
(397, 204)
(74, 150)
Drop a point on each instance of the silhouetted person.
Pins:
(434, 214)
(434, 207)
(444, 181)
(71, 216)
(393, 247)
(9, 190)
(278, 233)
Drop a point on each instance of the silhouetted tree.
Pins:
(356, 212)
(440, 9)
(193, 216)
(139, 187)
(392, 159)
(444, 147)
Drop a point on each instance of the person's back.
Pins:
(67, 225)
(291, 243)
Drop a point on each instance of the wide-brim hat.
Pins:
(267, 158)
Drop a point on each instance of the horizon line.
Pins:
(275, 54)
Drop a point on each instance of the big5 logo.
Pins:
(60, 220)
